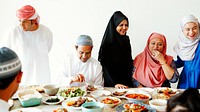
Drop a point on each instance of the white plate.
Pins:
(119, 90)
(27, 110)
(44, 99)
(72, 108)
(97, 88)
(157, 95)
(146, 90)
(99, 93)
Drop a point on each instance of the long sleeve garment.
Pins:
(166, 83)
(72, 66)
(190, 74)
(32, 47)
(115, 54)
(4, 106)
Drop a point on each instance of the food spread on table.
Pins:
(79, 95)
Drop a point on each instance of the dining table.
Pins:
(50, 108)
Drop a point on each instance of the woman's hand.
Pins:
(78, 78)
(158, 56)
(121, 86)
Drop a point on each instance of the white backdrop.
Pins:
(70, 18)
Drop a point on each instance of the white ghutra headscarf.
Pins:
(185, 48)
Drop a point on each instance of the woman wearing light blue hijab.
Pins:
(188, 53)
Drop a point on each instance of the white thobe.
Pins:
(91, 69)
(32, 47)
(4, 106)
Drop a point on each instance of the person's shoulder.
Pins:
(93, 60)
(44, 27)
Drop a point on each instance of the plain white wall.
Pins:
(70, 18)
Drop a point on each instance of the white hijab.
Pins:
(185, 48)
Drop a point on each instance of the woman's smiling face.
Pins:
(191, 30)
(122, 27)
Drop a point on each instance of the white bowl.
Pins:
(51, 90)
(100, 93)
(110, 101)
(137, 96)
(159, 104)
(92, 107)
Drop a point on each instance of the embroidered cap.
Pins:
(9, 63)
(84, 40)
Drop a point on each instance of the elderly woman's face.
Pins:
(156, 44)
(84, 52)
(122, 27)
(191, 30)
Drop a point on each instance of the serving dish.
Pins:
(110, 101)
(52, 100)
(119, 92)
(164, 93)
(137, 96)
(71, 103)
(72, 92)
(100, 93)
(121, 108)
(29, 98)
(27, 110)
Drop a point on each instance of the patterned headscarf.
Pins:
(27, 12)
(185, 48)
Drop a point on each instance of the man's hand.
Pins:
(78, 78)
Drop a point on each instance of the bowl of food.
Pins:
(51, 90)
(137, 96)
(159, 104)
(92, 107)
(52, 100)
(110, 101)
(29, 98)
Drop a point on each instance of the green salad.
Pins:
(71, 92)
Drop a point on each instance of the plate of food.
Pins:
(164, 93)
(93, 87)
(60, 110)
(27, 110)
(74, 104)
(134, 107)
(137, 96)
(52, 100)
(71, 92)
(119, 92)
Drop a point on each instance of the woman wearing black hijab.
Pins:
(115, 53)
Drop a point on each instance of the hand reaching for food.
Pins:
(121, 86)
(78, 78)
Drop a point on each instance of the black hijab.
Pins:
(115, 54)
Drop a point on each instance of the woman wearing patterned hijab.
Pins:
(188, 51)
(115, 53)
(153, 67)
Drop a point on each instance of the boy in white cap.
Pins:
(80, 66)
(10, 76)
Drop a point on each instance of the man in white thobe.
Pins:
(80, 66)
(32, 42)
